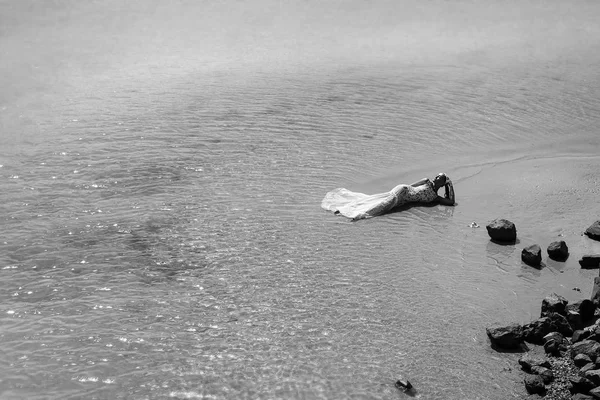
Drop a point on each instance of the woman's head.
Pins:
(439, 180)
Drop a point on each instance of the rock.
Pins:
(545, 373)
(595, 393)
(554, 303)
(506, 337)
(581, 359)
(555, 343)
(594, 331)
(558, 251)
(581, 384)
(585, 308)
(580, 335)
(502, 230)
(404, 384)
(556, 336)
(590, 261)
(527, 362)
(587, 367)
(560, 324)
(581, 396)
(534, 384)
(595, 298)
(535, 331)
(593, 232)
(588, 347)
(574, 319)
(532, 255)
(594, 376)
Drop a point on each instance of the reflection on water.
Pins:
(162, 235)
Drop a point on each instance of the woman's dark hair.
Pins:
(443, 176)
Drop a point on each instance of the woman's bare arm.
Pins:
(419, 183)
(448, 199)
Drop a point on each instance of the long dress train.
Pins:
(359, 205)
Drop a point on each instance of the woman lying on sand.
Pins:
(358, 205)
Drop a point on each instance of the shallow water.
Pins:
(161, 172)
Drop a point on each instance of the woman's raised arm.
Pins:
(448, 199)
(419, 183)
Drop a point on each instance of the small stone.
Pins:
(558, 251)
(595, 393)
(404, 384)
(587, 367)
(502, 230)
(554, 303)
(590, 261)
(581, 396)
(535, 331)
(580, 335)
(588, 347)
(506, 337)
(532, 255)
(527, 363)
(581, 359)
(534, 384)
(594, 376)
(586, 309)
(581, 384)
(545, 373)
(593, 232)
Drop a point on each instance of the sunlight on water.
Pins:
(162, 166)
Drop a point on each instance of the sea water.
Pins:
(162, 166)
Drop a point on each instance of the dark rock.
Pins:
(506, 337)
(404, 384)
(534, 384)
(588, 347)
(574, 319)
(527, 362)
(554, 336)
(593, 232)
(587, 367)
(585, 308)
(595, 393)
(502, 230)
(580, 335)
(558, 251)
(594, 376)
(546, 374)
(581, 396)
(555, 343)
(554, 303)
(590, 261)
(581, 359)
(594, 331)
(535, 331)
(532, 255)
(581, 384)
(561, 324)
(595, 298)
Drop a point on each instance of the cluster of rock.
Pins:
(565, 331)
(504, 232)
(569, 333)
